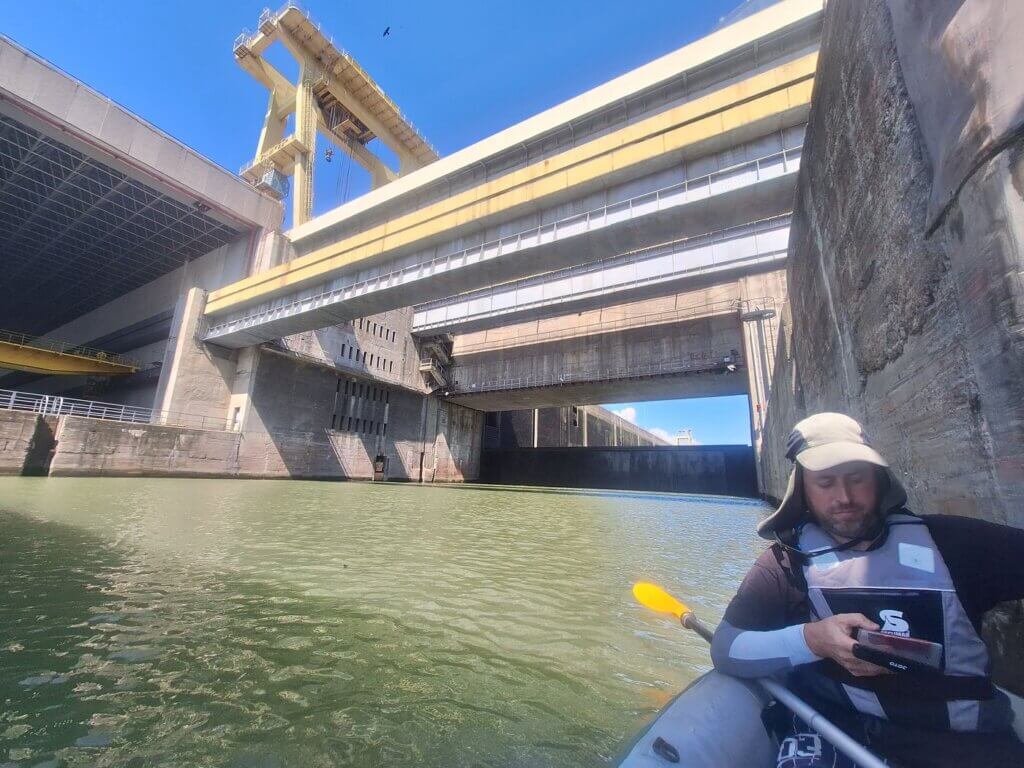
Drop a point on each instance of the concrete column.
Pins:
(758, 377)
(762, 297)
(239, 405)
(196, 378)
(536, 427)
(583, 412)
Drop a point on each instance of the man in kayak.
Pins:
(852, 568)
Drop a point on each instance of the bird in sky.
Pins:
(387, 31)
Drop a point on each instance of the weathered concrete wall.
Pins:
(719, 469)
(16, 432)
(92, 447)
(450, 448)
(299, 427)
(910, 323)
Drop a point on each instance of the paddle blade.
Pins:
(657, 599)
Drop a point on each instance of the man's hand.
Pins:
(832, 638)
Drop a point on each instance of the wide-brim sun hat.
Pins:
(820, 442)
(826, 440)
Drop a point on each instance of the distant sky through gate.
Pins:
(714, 420)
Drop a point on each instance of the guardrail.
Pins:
(64, 348)
(727, 362)
(56, 405)
(680, 245)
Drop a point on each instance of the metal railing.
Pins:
(754, 229)
(680, 314)
(586, 222)
(727, 362)
(57, 405)
(64, 348)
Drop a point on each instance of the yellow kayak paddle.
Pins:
(657, 599)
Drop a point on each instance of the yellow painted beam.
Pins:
(271, 79)
(740, 106)
(352, 104)
(17, 357)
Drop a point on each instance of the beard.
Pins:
(850, 522)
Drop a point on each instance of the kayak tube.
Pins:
(715, 722)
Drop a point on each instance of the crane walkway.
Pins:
(21, 352)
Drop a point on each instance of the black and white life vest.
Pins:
(905, 587)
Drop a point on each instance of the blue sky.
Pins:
(714, 420)
(460, 70)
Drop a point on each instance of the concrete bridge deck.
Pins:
(756, 246)
(684, 170)
(762, 186)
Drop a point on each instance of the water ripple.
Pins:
(263, 624)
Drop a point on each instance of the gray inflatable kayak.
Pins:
(715, 722)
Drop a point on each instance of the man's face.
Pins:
(843, 499)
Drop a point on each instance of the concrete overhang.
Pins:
(765, 102)
(720, 43)
(37, 93)
(627, 390)
(95, 202)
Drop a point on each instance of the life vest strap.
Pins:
(936, 687)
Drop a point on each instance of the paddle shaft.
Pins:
(691, 622)
(814, 719)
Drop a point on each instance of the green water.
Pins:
(264, 624)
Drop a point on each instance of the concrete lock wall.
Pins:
(91, 447)
(716, 469)
(906, 305)
(432, 441)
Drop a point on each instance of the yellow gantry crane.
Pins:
(333, 95)
(19, 352)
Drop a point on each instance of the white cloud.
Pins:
(628, 413)
(659, 432)
(664, 435)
